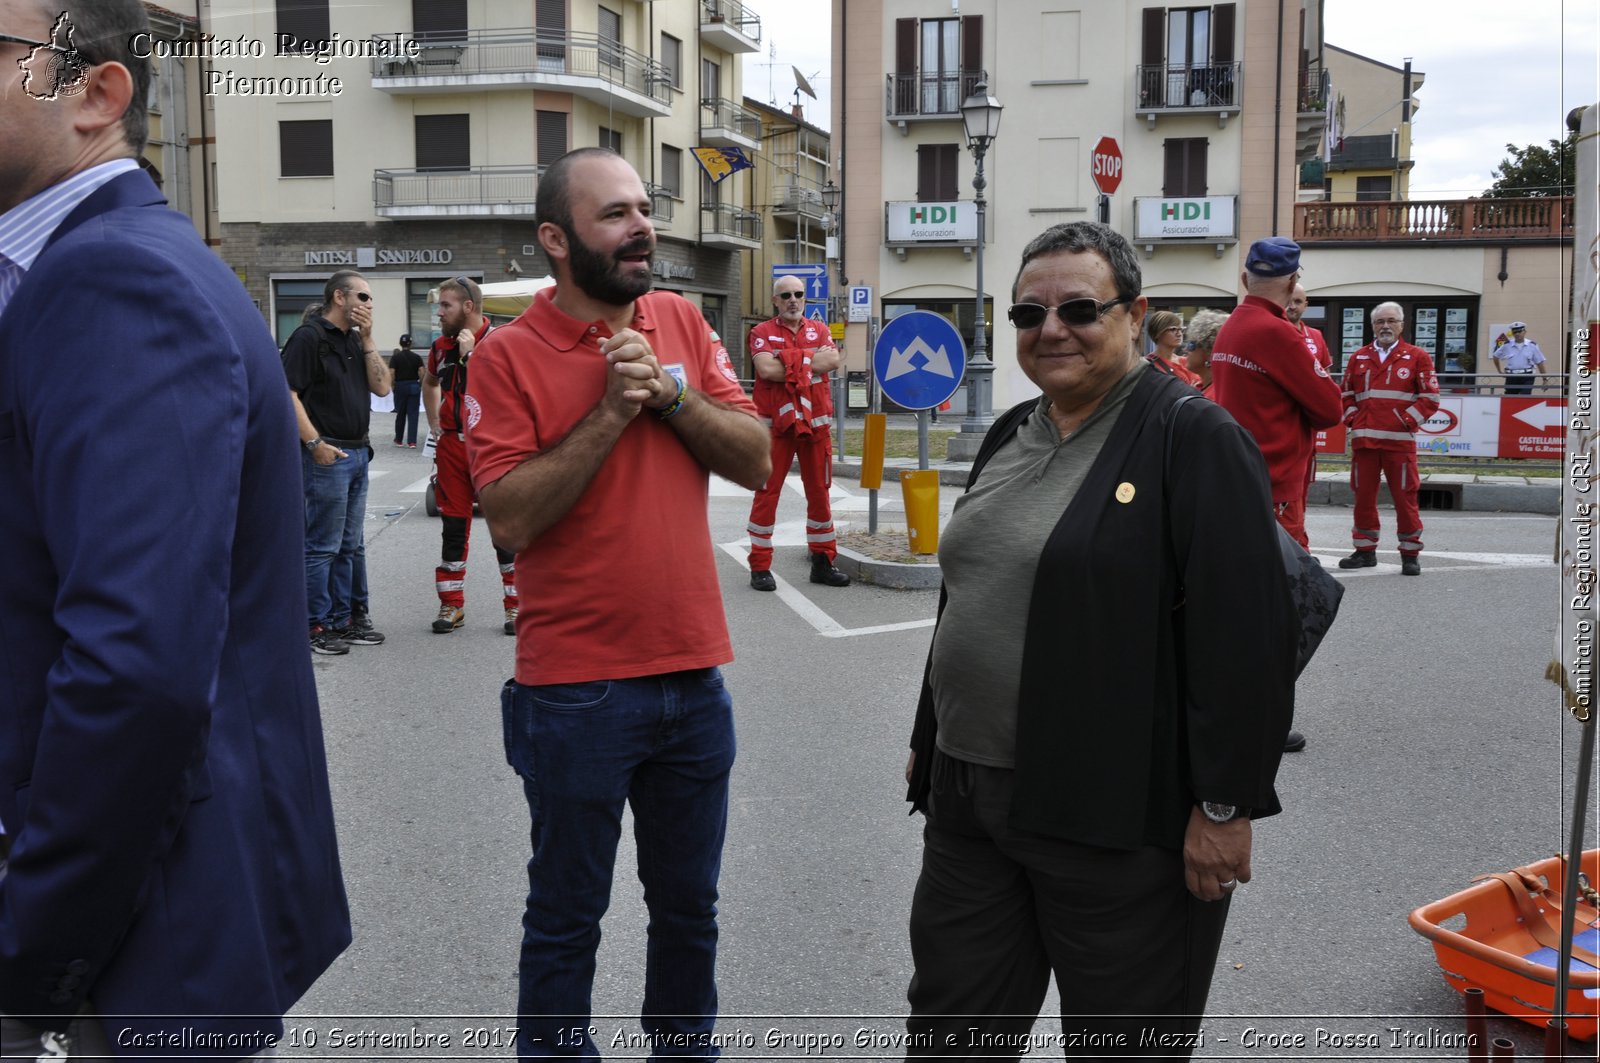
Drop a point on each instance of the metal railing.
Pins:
(725, 114)
(790, 197)
(477, 186)
(1315, 85)
(742, 18)
(661, 202)
(724, 219)
(1188, 86)
(934, 92)
(531, 52)
(1548, 217)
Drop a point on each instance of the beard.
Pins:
(599, 275)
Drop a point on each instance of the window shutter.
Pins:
(444, 141)
(905, 46)
(305, 149)
(1153, 50)
(971, 51)
(1196, 177)
(439, 19)
(938, 173)
(1184, 169)
(927, 172)
(307, 20)
(1222, 33)
(552, 133)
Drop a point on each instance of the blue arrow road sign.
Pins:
(919, 360)
(813, 274)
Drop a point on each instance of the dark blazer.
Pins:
(1131, 707)
(162, 775)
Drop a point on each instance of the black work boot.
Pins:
(823, 571)
(1410, 565)
(1360, 559)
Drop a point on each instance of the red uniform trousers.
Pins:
(1291, 514)
(816, 472)
(1399, 467)
(454, 495)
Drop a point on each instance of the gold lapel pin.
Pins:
(1125, 492)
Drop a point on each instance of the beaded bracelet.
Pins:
(666, 413)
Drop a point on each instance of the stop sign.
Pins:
(1105, 166)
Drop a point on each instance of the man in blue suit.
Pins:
(172, 883)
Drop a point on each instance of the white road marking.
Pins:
(416, 488)
(812, 613)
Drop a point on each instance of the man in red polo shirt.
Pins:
(593, 421)
(792, 358)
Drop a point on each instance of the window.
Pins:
(610, 37)
(710, 80)
(305, 149)
(938, 179)
(672, 59)
(305, 20)
(552, 133)
(550, 32)
(672, 170)
(1184, 170)
(1374, 188)
(1186, 57)
(444, 141)
(937, 63)
(611, 139)
(290, 300)
(439, 20)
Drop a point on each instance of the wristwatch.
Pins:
(312, 444)
(1220, 813)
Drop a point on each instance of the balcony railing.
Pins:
(1188, 86)
(1547, 218)
(724, 225)
(1315, 85)
(724, 120)
(789, 198)
(477, 192)
(929, 94)
(516, 58)
(730, 25)
(661, 202)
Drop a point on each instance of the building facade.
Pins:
(447, 113)
(1211, 107)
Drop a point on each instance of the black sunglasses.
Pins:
(365, 297)
(1072, 312)
(791, 295)
(9, 39)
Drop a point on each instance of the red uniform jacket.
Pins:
(1265, 374)
(1385, 403)
(782, 402)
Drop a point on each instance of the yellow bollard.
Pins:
(872, 451)
(920, 488)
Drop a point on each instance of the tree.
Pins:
(1534, 171)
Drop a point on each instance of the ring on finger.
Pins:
(1230, 885)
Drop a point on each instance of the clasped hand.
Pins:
(636, 379)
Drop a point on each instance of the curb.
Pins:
(891, 574)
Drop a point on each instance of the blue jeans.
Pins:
(407, 401)
(664, 744)
(336, 552)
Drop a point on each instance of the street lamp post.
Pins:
(981, 116)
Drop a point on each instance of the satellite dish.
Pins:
(801, 84)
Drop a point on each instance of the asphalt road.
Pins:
(1436, 753)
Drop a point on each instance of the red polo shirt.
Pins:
(625, 584)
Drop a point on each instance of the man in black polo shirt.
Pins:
(333, 365)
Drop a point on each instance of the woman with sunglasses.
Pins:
(1089, 799)
(1166, 332)
(1202, 334)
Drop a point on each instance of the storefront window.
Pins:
(290, 299)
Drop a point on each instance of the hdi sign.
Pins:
(1162, 218)
(908, 222)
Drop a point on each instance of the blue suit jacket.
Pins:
(162, 774)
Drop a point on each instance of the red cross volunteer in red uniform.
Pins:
(1389, 390)
(1265, 373)
(792, 358)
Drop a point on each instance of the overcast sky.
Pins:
(1498, 72)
